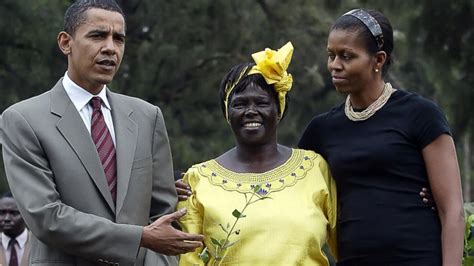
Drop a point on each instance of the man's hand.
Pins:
(162, 237)
(182, 189)
(427, 198)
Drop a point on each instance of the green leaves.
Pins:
(237, 214)
(230, 244)
(468, 256)
(226, 228)
(469, 225)
(221, 245)
(216, 242)
(204, 255)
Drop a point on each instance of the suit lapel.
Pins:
(3, 260)
(76, 134)
(126, 134)
(26, 250)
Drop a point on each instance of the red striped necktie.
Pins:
(104, 144)
(13, 256)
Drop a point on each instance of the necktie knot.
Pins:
(12, 242)
(96, 103)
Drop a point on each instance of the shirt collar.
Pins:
(21, 239)
(81, 97)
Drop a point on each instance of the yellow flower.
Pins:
(272, 65)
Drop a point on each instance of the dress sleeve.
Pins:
(429, 123)
(192, 221)
(311, 137)
(330, 206)
(307, 139)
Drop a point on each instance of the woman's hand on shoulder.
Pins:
(182, 189)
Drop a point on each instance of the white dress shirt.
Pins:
(80, 98)
(20, 247)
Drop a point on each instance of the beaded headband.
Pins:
(371, 24)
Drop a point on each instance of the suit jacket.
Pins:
(24, 260)
(1, 130)
(56, 177)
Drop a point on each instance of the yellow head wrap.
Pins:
(272, 65)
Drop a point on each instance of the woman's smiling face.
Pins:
(253, 115)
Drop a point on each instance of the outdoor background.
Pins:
(177, 52)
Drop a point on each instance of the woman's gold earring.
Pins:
(376, 70)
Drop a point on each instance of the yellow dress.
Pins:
(288, 228)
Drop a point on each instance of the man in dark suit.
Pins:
(15, 241)
(87, 166)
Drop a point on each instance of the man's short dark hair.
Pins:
(76, 13)
(7, 194)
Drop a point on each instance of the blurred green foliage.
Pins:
(468, 256)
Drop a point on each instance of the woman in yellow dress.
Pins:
(260, 203)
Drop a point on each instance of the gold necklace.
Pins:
(374, 107)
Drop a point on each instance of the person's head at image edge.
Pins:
(93, 40)
(11, 221)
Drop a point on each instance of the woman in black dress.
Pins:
(382, 145)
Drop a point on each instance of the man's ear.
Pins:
(64, 42)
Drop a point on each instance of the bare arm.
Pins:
(443, 173)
